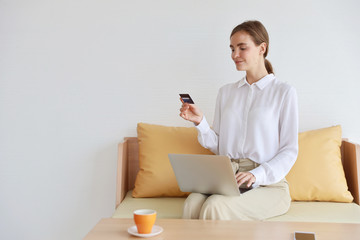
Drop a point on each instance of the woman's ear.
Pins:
(263, 48)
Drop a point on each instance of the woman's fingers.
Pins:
(191, 113)
(245, 177)
(184, 107)
(184, 116)
(242, 178)
(183, 112)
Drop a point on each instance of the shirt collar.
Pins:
(261, 84)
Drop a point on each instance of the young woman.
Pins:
(256, 125)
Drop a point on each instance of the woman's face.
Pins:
(245, 53)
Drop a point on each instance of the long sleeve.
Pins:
(276, 169)
(207, 137)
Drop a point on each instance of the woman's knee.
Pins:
(212, 207)
(195, 199)
(213, 201)
(193, 204)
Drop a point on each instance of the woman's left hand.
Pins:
(245, 177)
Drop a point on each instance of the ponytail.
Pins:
(269, 67)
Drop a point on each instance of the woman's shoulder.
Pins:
(283, 86)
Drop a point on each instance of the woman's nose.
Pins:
(235, 54)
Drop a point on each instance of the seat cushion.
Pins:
(171, 207)
(166, 207)
(321, 212)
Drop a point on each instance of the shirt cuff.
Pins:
(203, 126)
(259, 174)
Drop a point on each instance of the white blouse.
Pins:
(257, 121)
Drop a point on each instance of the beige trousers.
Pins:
(256, 204)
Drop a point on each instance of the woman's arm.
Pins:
(277, 168)
(207, 137)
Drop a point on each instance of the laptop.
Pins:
(207, 174)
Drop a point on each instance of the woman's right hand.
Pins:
(191, 113)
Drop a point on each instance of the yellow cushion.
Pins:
(156, 177)
(318, 174)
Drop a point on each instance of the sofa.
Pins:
(300, 211)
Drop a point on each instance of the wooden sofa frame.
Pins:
(128, 167)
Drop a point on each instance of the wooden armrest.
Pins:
(121, 175)
(127, 167)
(350, 155)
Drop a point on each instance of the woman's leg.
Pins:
(193, 204)
(257, 204)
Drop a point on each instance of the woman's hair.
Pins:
(258, 34)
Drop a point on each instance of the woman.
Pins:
(256, 125)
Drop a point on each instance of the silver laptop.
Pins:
(207, 174)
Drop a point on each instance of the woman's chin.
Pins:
(240, 68)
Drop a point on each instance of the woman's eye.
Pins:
(242, 48)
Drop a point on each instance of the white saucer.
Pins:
(155, 231)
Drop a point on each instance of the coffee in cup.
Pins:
(144, 220)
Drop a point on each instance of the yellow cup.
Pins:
(144, 220)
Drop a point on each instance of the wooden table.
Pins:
(116, 228)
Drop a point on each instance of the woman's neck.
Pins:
(255, 75)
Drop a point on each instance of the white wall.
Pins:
(77, 75)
